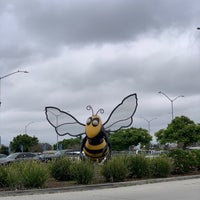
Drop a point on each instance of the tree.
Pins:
(23, 141)
(40, 147)
(181, 130)
(72, 143)
(4, 150)
(122, 139)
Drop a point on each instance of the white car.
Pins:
(18, 157)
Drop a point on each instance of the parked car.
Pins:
(73, 155)
(18, 157)
(50, 155)
(2, 155)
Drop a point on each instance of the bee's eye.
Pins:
(95, 122)
(89, 120)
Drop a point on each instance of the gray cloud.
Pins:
(96, 53)
(75, 23)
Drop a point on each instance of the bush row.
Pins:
(65, 170)
(176, 162)
(32, 174)
(121, 168)
(22, 175)
(185, 161)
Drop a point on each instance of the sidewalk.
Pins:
(93, 186)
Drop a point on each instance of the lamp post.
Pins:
(149, 123)
(5, 76)
(172, 101)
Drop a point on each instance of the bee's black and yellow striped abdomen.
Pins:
(96, 151)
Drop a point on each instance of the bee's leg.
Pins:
(109, 155)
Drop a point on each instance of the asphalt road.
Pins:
(173, 190)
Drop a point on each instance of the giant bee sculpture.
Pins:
(95, 144)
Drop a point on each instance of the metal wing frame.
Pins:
(63, 122)
(122, 114)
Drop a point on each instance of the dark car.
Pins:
(18, 157)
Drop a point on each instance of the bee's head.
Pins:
(93, 124)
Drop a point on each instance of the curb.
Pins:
(93, 186)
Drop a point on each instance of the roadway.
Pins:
(177, 190)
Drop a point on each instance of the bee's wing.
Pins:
(122, 114)
(63, 122)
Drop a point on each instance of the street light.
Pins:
(149, 122)
(5, 76)
(172, 102)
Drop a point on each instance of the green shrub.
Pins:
(3, 177)
(183, 161)
(34, 174)
(14, 175)
(196, 154)
(138, 166)
(106, 171)
(160, 167)
(115, 169)
(60, 169)
(83, 172)
(21, 175)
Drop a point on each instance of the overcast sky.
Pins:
(97, 52)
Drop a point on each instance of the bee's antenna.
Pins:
(101, 110)
(89, 107)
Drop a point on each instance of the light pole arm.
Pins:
(178, 97)
(172, 101)
(5, 76)
(13, 73)
(149, 122)
(165, 95)
(25, 128)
